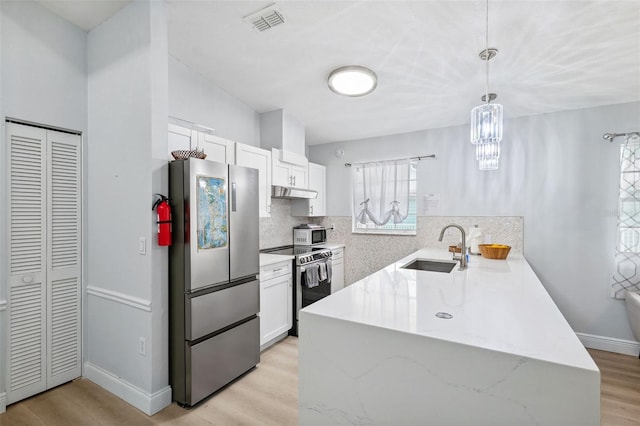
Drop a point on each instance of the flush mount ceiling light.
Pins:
(486, 119)
(352, 80)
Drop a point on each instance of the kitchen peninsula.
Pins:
(498, 351)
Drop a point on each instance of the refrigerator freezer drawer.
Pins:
(219, 360)
(213, 311)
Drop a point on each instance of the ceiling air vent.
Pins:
(266, 18)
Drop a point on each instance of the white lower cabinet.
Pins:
(337, 270)
(276, 298)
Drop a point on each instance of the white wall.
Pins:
(199, 101)
(555, 170)
(42, 79)
(127, 125)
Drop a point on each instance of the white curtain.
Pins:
(627, 259)
(381, 192)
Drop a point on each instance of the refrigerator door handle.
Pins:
(233, 196)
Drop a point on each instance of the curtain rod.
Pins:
(420, 157)
(611, 136)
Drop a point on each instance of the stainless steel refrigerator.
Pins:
(214, 262)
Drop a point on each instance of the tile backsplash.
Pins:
(367, 253)
(277, 230)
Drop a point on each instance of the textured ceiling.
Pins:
(554, 55)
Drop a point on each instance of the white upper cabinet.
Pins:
(217, 148)
(288, 174)
(250, 156)
(313, 206)
(181, 139)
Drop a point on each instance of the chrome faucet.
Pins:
(463, 251)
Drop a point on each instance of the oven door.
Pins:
(306, 295)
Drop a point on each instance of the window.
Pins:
(384, 197)
(627, 259)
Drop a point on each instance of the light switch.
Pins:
(142, 245)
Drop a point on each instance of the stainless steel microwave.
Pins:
(309, 235)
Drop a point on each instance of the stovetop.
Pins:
(303, 254)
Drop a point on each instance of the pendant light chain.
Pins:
(487, 54)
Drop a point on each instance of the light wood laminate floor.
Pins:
(268, 395)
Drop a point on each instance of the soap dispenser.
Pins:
(475, 238)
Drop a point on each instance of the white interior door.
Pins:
(26, 349)
(44, 335)
(63, 258)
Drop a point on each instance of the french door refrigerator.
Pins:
(214, 293)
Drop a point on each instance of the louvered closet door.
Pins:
(44, 337)
(26, 352)
(63, 258)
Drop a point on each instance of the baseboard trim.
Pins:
(148, 403)
(121, 298)
(3, 402)
(609, 344)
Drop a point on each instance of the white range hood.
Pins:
(290, 192)
(281, 132)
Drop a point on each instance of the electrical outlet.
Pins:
(142, 346)
(142, 245)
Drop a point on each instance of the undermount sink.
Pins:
(431, 265)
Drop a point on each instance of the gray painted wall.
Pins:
(127, 127)
(199, 101)
(556, 171)
(42, 79)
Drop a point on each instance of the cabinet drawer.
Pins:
(337, 253)
(276, 270)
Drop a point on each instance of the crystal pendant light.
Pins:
(486, 119)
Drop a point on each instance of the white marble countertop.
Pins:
(496, 304)
(269, 259)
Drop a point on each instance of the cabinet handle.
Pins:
(311, 209)
(294, 181)
(278, 269)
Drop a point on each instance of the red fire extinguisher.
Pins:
(163, 210)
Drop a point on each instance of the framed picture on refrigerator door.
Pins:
(212, 226)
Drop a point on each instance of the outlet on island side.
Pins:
(142, 346)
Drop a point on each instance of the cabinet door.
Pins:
(337, 272)
(275, 307)
(250, 156)
(281, 174)
(315, 206)
(299, 176)
(180, 138)
(217, 148)
(317, 182)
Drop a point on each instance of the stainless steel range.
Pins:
(312, 277)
